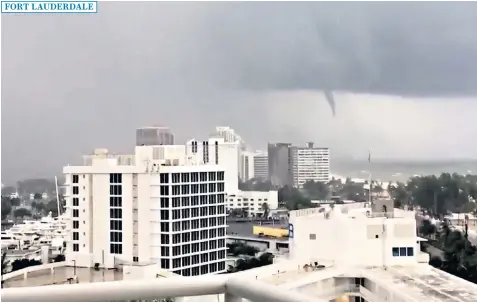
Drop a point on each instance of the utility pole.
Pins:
(435, 202)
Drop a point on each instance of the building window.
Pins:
(116, 236)
(185, 177)
(116, 225)
(75, 213)
(75, 178)
(75, 247)
(75, 224)
(75, 190)
(164, 190)
(176, 178)
(115, 190)
(116, 248)
(164, 178)
(75, 201)
(165, 263)
(312, 236)
(115, 213)
(220, 175)
(403, 251)
(115, 201)
(75, 235)
(164, 202)
(135, 259)
(115, 178)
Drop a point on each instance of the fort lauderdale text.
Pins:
(59, 6)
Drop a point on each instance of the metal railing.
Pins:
(233, 288)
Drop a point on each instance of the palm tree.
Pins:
(265, 209)
(4, 265)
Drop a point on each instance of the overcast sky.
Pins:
(406, 74)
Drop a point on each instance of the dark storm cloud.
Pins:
(71, 83)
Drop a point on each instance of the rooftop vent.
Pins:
(100, 151)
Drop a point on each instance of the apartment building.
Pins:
(155, 206)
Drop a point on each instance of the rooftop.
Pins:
(61, 276)
(424, 283)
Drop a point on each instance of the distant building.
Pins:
(279, 164)
(154, 136)
(309, 164)
(260, 165)
(252, 201)
(246, 163)
(228, 134)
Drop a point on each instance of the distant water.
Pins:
(401, 170)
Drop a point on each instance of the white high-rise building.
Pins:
(246, 171)
(154, 135)
(228, 134)
(309, 164)
(260, 165)
(155, 206)
(217, 151)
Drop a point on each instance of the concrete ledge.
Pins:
(24, 272)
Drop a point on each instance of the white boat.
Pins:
(32, 234)
(8, 240)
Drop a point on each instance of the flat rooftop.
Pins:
(425, 283)
(61, 275)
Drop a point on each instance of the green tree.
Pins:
(21, 212)
(427, 229)
(351, 190)
(293, 199)
(39, 207)
(317, 190)
(24, 263)
(6, 207)
(245, 264)
(438, 195)
(239, 248)
(4, 263)
(52, 206)
(265, 209)
(37, 196)
(15, 201)
(256, 185)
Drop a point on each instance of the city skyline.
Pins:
(396, 84)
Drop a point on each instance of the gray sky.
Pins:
(75, 82)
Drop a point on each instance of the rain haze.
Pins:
(403, 78)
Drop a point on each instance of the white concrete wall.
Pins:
(351, 241)
(148, 214)
(100, 227)
(127, 207)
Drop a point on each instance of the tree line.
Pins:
(437, 194)
(249, 259)
(459, 254)
(12, 207)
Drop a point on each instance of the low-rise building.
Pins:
(252, 202)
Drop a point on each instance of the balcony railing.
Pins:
(233, 288)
